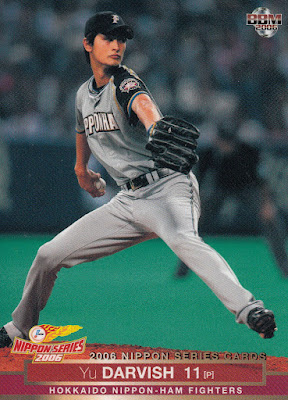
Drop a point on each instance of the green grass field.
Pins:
(133, 298)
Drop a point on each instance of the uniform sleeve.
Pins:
(80, 128)
(128, 87)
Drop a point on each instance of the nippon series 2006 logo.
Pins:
(264, 21)
(45, 352)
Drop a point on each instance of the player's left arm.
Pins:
(135, 98)
(146, 110)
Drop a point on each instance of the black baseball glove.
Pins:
(173, 144)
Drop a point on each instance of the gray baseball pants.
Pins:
(169, 209)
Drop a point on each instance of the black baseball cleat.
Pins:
(262, 321)
(5, 340)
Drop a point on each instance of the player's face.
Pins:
(107, 50)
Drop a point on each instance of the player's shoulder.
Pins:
(127, 86)
(123, 71)
(126, 78)
(84, 86)
(82, 92)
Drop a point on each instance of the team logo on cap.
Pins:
(115, 19)
(129, 84)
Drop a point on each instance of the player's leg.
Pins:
(102, 232)
(210, 210)
(174, 218)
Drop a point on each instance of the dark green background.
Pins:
(133, 298)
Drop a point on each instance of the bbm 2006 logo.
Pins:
(264, 21)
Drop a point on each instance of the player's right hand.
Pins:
(87, 180)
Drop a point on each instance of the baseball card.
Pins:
(143, 200)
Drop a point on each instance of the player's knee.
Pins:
(182, 241)
(45, 257)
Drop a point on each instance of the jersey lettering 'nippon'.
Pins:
(100, 122)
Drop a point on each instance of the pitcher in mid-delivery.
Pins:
(150, 157)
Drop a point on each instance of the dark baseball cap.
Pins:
(107, 22)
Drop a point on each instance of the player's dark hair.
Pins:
(90, 39)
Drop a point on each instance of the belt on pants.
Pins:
(146, 179)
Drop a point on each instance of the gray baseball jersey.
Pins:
(114, 135)
(168, 208)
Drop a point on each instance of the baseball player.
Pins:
(150, 157)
